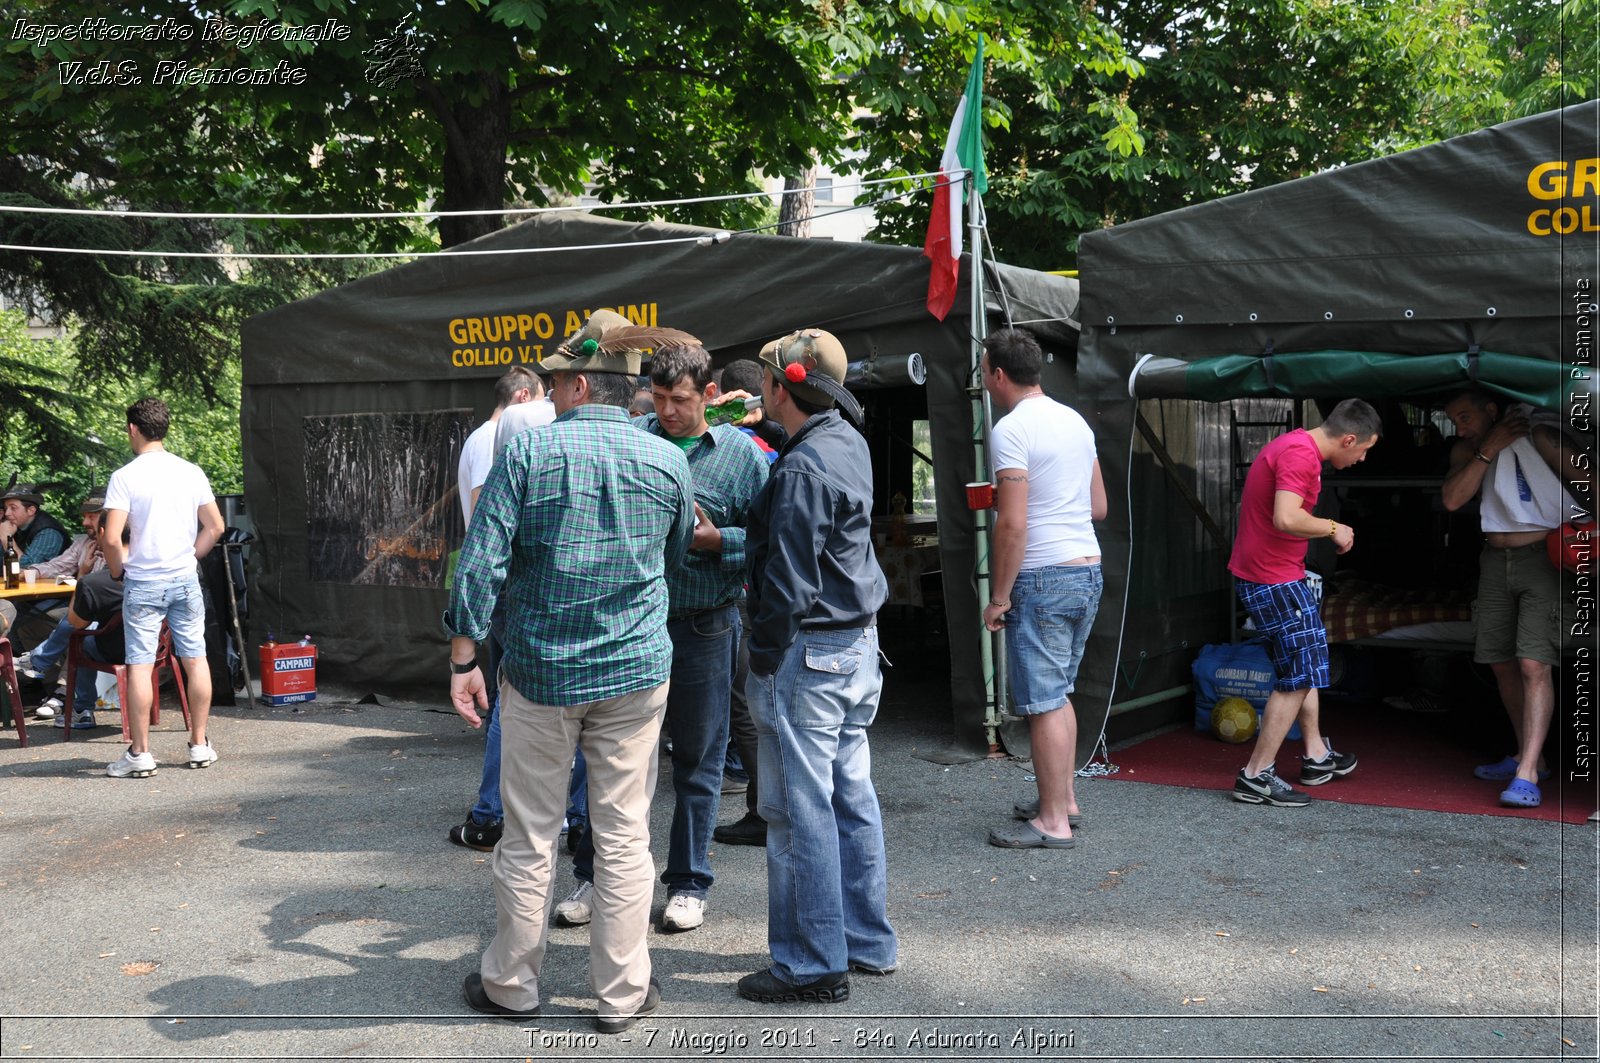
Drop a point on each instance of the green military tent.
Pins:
(1474, 260)
(356, 401)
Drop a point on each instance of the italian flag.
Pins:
(963, 150)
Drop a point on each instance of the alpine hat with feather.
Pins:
(609, 343)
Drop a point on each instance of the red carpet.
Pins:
(1407, 760)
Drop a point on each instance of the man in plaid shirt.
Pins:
(579, 522)
(703, 623)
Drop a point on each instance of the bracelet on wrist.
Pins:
(459, 668)
(1333, 529)
(1000, 605)
(1481, 456)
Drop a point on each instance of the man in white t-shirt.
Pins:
(161, 499)
(1045, 579)
(518, 385)
(519, 389)
(538, 410)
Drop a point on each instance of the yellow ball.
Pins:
(1233, 720)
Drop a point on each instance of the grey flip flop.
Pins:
(1020, 834)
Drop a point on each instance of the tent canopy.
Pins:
(1474, 260)
(1485, 239)
(1338, 374)
(356, 401)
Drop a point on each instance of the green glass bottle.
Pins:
(732, 411)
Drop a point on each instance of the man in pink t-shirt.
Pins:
(1269, 569)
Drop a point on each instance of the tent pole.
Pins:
(994, 645)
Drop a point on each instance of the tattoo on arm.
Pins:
(1020, 478)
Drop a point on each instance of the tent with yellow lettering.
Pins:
(356, 402)
(1473, 260)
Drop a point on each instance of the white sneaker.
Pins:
(575, 910)
(202, 755)
(132, 766)
(25, 669)
(684, 912)
(49, 707)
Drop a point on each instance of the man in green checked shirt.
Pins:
(579, 523)
(703, 623)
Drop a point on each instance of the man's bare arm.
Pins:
(211, 529)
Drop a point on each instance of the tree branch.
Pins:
(527, 136)
(440, 106)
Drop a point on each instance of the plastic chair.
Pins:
(76, 659)
(8, 669)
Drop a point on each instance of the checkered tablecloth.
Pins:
(1356, 609)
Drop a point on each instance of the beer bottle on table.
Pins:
(13, 565)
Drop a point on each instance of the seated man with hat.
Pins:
(38, 535)
(76, 562)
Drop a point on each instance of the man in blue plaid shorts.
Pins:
(1269, 567)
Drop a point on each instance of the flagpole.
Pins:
(994, 643)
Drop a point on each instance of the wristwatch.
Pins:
(456, 668)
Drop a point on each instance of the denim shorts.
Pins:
(146, 604)
(1286, 614)
(1052, 610)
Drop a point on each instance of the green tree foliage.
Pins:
(1206, 100)
(473, 104)
(72, 433)
(1551, 50)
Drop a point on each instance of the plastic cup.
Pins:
(28, 576)
(980, 496)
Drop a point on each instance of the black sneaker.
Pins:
(764, 987)
(750, 830)
(1268, 789)
(1332, 766)
(474, 835)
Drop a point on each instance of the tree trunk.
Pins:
(800, 196)
(476, 139)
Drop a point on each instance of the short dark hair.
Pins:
(610, 389)
(1017, 354)
(151, 417)
(127, 529)
(668, 365)
(1353, 417)
(742, 375)
(515, 379)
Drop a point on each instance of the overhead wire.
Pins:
(457, 251)
(477, 212)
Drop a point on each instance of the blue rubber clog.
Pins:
(1521, 794)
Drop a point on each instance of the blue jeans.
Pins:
(488, 808)
(52, 649)
(85, 693)
(578, 797)
(1052, 612)
(827, 879)
(703, 657)
(145, 603)
(703, 649)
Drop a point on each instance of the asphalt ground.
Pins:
(299, 900)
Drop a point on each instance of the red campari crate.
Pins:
(288, 672)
